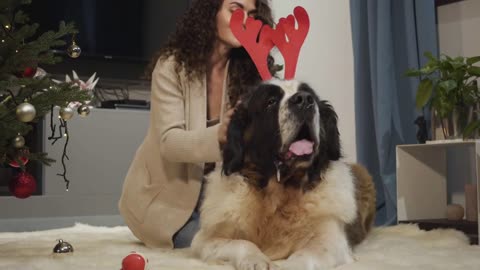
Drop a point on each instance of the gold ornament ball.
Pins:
(74, 50)
(18, 141)
(83, 110)
(26, 112)
(66, 113)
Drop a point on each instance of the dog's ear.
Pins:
(329, 141)
(234, 148)
(330, 137)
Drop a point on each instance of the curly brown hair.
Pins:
(192, 45)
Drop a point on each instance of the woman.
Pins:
(200, 71)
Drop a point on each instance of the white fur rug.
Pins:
(393, 248)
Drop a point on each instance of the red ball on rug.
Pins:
(134, 261)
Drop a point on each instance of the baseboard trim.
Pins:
(48, 223)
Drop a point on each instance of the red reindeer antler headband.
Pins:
(287, 39)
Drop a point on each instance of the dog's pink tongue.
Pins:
(302, 147)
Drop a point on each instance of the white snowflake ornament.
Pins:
(89, 85)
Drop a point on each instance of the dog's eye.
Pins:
(271, 101)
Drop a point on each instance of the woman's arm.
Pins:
(168, 114)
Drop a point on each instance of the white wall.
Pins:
(458, 26)
(100, 149)
(326, 59)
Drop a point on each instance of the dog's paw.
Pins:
(256, 263)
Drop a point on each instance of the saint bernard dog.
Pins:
(282, 191)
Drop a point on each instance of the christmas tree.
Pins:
(27, 92)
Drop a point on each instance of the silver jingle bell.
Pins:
(26, 112)
(66, 113)
(63, 247)
(83, 110)
(18, 141)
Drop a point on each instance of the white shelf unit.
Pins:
(427, 173)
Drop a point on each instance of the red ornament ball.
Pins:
(29, 72)
(23, 185)
(134, 261)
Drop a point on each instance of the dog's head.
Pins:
(281, 127)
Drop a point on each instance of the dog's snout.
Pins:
(302, 100)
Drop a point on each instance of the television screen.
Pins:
(122, 29)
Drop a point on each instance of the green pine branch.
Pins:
(32, 53)
(20, 48)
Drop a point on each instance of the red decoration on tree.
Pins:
(134, 261)
(29, 72)
(23, 185)
(16, 165)
(23, 158)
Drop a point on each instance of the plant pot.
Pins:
(452, 127)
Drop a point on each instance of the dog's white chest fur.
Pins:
(277, 219)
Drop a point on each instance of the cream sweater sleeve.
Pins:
(168, 119)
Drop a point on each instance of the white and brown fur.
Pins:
(312, 216)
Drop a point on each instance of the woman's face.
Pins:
(224, 34)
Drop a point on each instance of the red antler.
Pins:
(290, 47)
(247, 36)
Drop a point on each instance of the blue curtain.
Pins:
(389, 36)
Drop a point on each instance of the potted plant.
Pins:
(449, 89)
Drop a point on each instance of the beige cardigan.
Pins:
(163, 182)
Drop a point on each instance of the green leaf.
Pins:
(448, 85)
(430, 57)
(446, 66)
(471, 128)
(413, 73)
(428, 69)
(424, 92)
(473, 60)
(448, 57)
(473, 70)
(457, 64)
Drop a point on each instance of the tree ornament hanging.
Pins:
(83, 110)
(74, 50)
(23, 185)
(26, 112)
(66, 113)
(39, 73)
(22, 155)
(29, 72)
(18, 141)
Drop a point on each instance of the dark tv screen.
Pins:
(112, 29)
